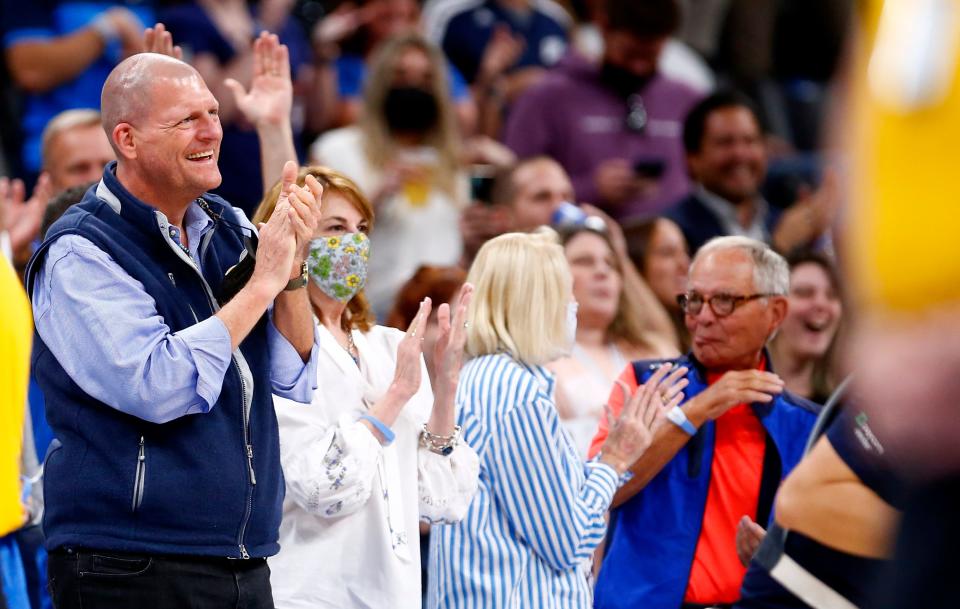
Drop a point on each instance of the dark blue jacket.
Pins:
(117, 482)
(699, 224)
(653, 536)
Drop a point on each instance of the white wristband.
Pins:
(679, 418)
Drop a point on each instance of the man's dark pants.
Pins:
(94, 579)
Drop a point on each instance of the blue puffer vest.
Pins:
(653, 536)
(203, 484)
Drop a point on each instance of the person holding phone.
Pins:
(618, 118)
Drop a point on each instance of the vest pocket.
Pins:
(139, 480)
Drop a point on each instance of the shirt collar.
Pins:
(545, 378)
(195, 219)
(726, 213)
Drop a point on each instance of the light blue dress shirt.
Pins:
(105, 331)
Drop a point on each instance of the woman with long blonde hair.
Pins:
(405, 155)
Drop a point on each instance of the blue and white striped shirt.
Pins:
(530, 533)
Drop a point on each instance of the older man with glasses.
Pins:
(686, 523)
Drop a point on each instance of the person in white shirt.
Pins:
(378, 451)
(405, 153)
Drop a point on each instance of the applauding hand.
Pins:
(270, 98)
(448, 351)
(22, 219)
(407, 375)
(632, 433)
(157, 39)
(305, 203)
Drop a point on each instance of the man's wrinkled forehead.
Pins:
(729, 271)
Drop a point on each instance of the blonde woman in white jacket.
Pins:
(377, 451)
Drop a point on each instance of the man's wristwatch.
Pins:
(298, 282)
(676, 416)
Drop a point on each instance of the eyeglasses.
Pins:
(722, 305)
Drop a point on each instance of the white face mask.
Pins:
(572, 308)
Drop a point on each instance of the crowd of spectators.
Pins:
(636, 382)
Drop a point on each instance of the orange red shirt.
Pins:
(735, 479)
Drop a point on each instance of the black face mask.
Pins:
(410, 110)
(621, 81)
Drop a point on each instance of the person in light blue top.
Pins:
(531, 531)
(158, 366)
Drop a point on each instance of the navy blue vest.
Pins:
(189, 486)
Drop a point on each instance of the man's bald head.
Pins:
(128, 90)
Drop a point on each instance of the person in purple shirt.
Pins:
(614, 126)
(157, 375)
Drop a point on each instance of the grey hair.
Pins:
(65, 121)
(771, 273)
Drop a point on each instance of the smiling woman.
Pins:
(804, 351)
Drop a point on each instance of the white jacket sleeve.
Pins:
(329, 472)
(446, 484)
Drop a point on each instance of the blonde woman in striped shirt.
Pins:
(529, 535)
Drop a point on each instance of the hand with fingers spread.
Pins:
(157, 39)
(749, 537)
(270, 98)
(21, 219)
(305, 203)
(233, 21)
(128, 29)
(734, 387)
(632, 432)
(341, 23)
(501, 53)
(448, 350)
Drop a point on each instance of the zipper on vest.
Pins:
(139, 480)
(248, 445)
(253, 476)
(172, 280)
(249, 455)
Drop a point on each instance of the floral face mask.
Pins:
(338, 265)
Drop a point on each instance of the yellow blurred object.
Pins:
(16, 334)
(904, 228)
(416, 192)
(416, 188)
